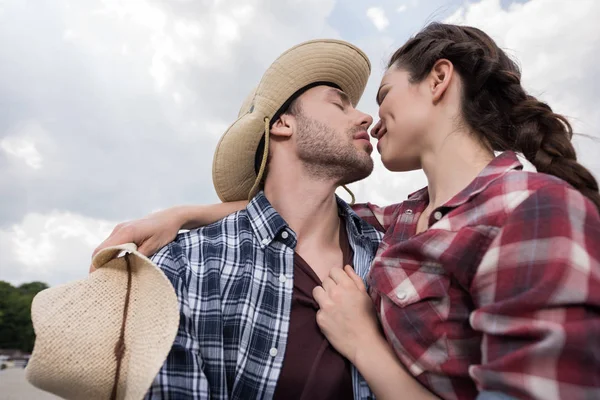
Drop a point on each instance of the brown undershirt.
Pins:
(312, 369)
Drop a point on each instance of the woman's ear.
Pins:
(439, 78)
(284, 126)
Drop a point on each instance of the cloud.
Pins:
(378, 17)
(131, 96)
(22, 148)
(52, 248)
(113, 109)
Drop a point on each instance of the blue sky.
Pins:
(111, 109)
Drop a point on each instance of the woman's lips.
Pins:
(380, 136)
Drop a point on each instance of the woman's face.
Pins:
(405, 110)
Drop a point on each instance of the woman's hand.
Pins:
(346, 315)
(347, 318)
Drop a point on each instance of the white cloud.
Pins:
(24, 149)
(378, 17)
(132, 96)
(22, 141)
(52, 248)
(121, 104)
(402, 8)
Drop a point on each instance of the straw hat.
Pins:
(127, 309)
(328, 61)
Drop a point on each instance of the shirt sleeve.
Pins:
(537, 300)
(181, 376)
(379, 217)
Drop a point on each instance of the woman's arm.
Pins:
(348, 320)
(385, 374)
(196, 216)
(158, 229)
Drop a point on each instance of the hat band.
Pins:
(120, 346)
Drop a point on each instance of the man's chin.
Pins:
(357, 174)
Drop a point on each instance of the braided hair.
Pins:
(494, 104)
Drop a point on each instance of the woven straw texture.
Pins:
(77, 326)
(332, 61)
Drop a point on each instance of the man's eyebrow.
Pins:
(345, 98)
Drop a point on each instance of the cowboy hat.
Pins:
(324, 61)
(105, 336)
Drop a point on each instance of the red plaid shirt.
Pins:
(500, 294)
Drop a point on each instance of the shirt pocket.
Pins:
(414, 312)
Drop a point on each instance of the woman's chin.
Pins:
(398, 164)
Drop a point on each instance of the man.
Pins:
(247, 317)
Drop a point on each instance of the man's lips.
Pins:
(364, 136)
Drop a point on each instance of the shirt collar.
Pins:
(497, 168)
(349, 215)
(267, 223)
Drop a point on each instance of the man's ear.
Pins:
(284, 126)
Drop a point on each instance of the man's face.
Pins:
(332, 139)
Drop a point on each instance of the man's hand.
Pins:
(150, 233)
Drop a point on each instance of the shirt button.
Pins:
(282, 278)
(437, 215)
(401, 295)
(273, 352)
(409, 211)
(284, 235)
(265, 241)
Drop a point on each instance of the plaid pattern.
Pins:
(501, 295)
(234, 281)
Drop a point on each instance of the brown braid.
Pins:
(494, 103)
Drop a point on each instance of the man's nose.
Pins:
(365, 120)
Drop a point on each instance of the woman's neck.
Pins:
(451, 165)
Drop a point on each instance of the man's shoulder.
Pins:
(197, 243)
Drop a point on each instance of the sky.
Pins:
(110, 110)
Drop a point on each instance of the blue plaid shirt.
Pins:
(234, 281)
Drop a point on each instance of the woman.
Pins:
(487, 282)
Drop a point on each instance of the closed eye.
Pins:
(381, 94)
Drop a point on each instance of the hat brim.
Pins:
(78, 324)
(332, 61)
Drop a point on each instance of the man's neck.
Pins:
(309, 208)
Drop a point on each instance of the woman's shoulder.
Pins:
(527, 189)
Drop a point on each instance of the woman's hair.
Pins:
(494, 104)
